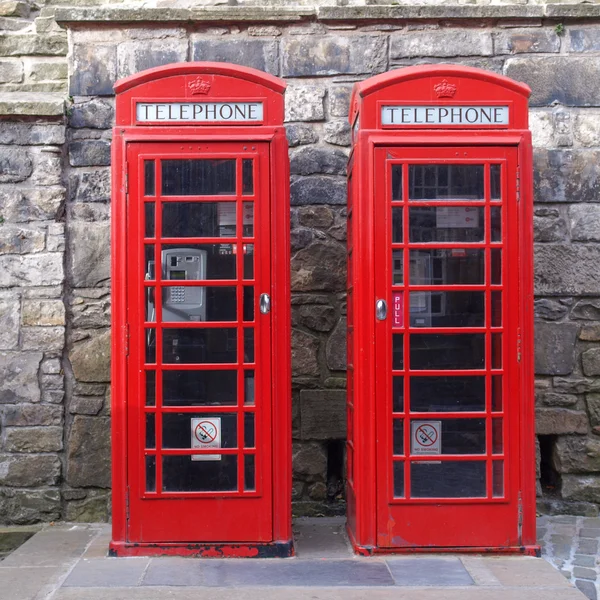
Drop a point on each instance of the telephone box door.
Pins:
(447, 353)
(199, 402)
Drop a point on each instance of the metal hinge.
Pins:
(126, 339)
(518, 184)
(127, 503)
(520, 517)
(518, 344)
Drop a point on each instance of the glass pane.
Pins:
(150, 306)
(199, 303)
(247, 177)
(249, 303)
(431, 351)
(396, 182)
(496, 393)
(149, 178)
(447, 267)
(497, 444)
(398, 352)
(447, 394)
(397, 267)
(398, 397)
(150, 430)
(151, 473)
(182, 474)
(149, 262)
(198, 177)
(177, 429)
(150, 341)
(200, 388)
(198, 219)
(448, 479)
(445, 182)
(249, 473)
(447, 309)
(149, 208)
(248, 345)
(214, 261)
(397, 225)
(249, 388)
(398, 479)
(498, 478)
(248, 261)
(495, 181)
(150, 388)
(446, 224)
(496, 309)
(249, 441)
(496, 266)
(200, 346)
(398, 436)
(463, 436)
(248, 219)
(496, 351)
(496, 223)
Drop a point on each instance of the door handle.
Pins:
(381, 310)
(265, 304)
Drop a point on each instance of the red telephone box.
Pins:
(201, 319)
(440, 452)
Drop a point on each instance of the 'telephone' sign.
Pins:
(444, 115)
(205, 112)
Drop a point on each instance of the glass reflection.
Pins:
(447, 267)
(198, 177)
(447, 394)
(200, 388)
(445, 182)
(448, 479)
(432, 351)
(446, 224)
(447, 309)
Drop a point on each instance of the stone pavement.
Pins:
(68, 562)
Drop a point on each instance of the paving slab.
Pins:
(429, 571)
(23, 583)
(314, 536)
(524, 571)
(107, 572)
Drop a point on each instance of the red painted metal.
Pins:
(237, 522)
(377, 520)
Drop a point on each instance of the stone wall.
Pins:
(320, 55)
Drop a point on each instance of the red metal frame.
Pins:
(376, 521)
(234, 524)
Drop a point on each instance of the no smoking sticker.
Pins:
(426, 437)
(206, 433)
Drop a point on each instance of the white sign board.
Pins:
(456, 216)
(425, 437)
(444, 115)
(199, 112)
(206, 434)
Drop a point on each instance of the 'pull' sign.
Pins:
(199, 112)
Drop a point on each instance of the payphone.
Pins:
(201, 407)
(440, 373)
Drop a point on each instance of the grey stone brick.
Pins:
(304, 353)
(29, 470)
(586, 128)
(338, 133)
(576, 454)
(89, 257)
(315, 317)
(339, 100)
(139, 55)
(299, 134)
(585, 222)
(335, 350)
(322, 414)
(309, 459)
(40, 269)
(88, 452)
(318, 190)
(555, 348)
(554, 399)
(31, 204)
(89, 153)
(86, 405)
(587, 489)
(549, 226)
(27, 44)
(48, 339)
(316, 216)
(584, 39)
(550, 309)
(94, 70)
(563, 269)
(90, 357)
(10, 313)
(304, 103)
(560, 421)
(33, 439)
(23, 134)
(320, 266)
(442, 42)
(526, 40)
(18, 373)
(590, 362)
(15, 165)
(587, 309)
(47, 168)
(91, 186)
(11, 71)
(28, 415)
(311, 160)
(97, 113)
(593, 406)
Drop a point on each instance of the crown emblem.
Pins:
(445, 89)
(199, 86)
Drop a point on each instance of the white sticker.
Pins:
(206, 434)
(456, 216)
(426, 437)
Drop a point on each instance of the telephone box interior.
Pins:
(440, 450)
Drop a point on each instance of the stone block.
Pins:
(550, 309)
(574, 385)
(30, 44)
(304, 103)
(566, 175)
(17, 239)
(584, 488)
(33, 439)
(88, 262)
(319, 267)
(549, 225)
(590, 362)
(94, 69)
(11, 71)
(568, 80)
(304, 354)
(10, 313)
(314, 316)
(138, 55)
(321, 217)
(586, 128)
(31, 204)
(15, 165)
(259, 54)
(47, 167)
(22, 507)
(441, 42)
(339, 100)
(91, 186)
(318, 190)
(584, 39)
(338, 133)
(29, 470)
(585, 222)
(97, 113)
(32, 134)
(94, 508)
(90, 312)
(308, 57)
(526, 40)
(542, 132)
(90, 358)
(29, 415)
(311, 160)
(322, 414)
(48, 339)
(46, 70)
(309, 460)
(301, 237)
(299, 134)
(18, 374)
(593, 407)
(88, 452)
(43, 312)
(576, 454)
(14, 8)
(42, 269)
(554, 399)
(89, 153)
(590, 333)
(566, 270)
(587, 309)
(14, 23)
(560, 421)
(555, 348)
(85, 405)
(335, 350)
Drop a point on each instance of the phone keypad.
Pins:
(178, 294)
